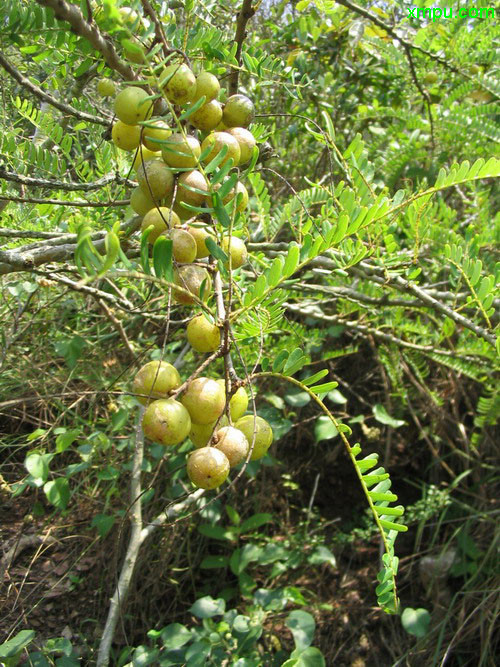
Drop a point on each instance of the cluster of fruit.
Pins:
(202, 415)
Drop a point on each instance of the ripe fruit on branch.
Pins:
(239, 401)
(141, 202)
(207, 467)
(126, 137)
(263, 435)
(200, 235)
(166, 421)
(246, 141)
(202, 335)
(161, 218)
(181, 153)
(155, 179)
(158, 130)
(183, 245)
(233, 443)
(206, 84)
(430, 78)
(106, 87)
(238, 111)
(216, 141)
(200, 434)
(204, 399)
(237, 250)
(155, 380)
(191, 278)
(178, 83)
(207, 117)
(192, 188)
(132, 105)
(143, 155)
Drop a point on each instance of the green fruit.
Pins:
(204, 399)
(155, 179)
(162, 219)
(239, 401)
(133, 50)
(207, 117)
(263, 435)
(141, 202)
(183, 245)
(200, 434)
(238, 111)
(126, 137)
(430, 78)
(166, 421)
(200, 235)
(191, 278)
(202, 335)
(237, 250)
(152, 134)
(143, 155)
(246, 141)
(233, 443)
(207, 467)
(156, 379)
(241, 197)
(132, 105)
(208, 85)
(178, 83)
(192, 188)
(216, 141)
(180, 153)
(106, 87)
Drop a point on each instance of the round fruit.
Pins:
(166, 421)
(155, 380)
(239, 401)
(141, 202)
(183, 245)
(161, 218)
(204, 399)
(241, 196)
(192, 188)
(208, 85)
(179, 83)
(238, 111)
(246, 141)
(202, 335)
(216, 141)
(200, 434)
(133, 50)
(126, 137)
(155, 178)
(263, 434)
(191, 278)
(430, 78)
(181, 153)
(143, 155)
(207, 467)
(159, 130)
(106, 87)
(233, 443)
(237, 249)
(132, 105)
(129, 17)
(207, 117)
(200, 235)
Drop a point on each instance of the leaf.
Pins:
(311, 657)
(175, 635)
(14, 646)
(336, 397)
(216, 251)
(324, 429)
(214, 562)
(302, 626)
(37, 466)
(162, 258)
(57, 492)
(254, 522)
(298, 399)
(207, 607)
(103, 523)
(322, 555)
(381, 415)
(65, 440)
(416, 621)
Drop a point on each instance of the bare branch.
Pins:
(61, 202)
(244, 15)
(62, 185)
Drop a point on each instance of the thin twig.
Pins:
(244, 15)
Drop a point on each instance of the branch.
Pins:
(41, 94)
(61, 202)
(244, 15)
(65, 11)
(63, 185)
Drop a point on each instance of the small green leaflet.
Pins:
(216, 251)
(162, 258)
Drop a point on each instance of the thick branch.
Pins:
(62, 185)
(244, 15)
(61, 202)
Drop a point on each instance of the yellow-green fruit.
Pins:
(237, 249)
(191, 278)
(430, 78)
(233, 443)
(239, 401)
(200, 235)
(132, 105)
(130, 17)
(155, 178)
(192, 188)
(241, 194)
(166, 421)
(143, 155)
(207, 467)
(161, 218)
(153, 134)
(133, 50)
(141, 202)
(178, 83)
(183, 213)
(200, 434)
(204, 399)
(155, 380)
(207, 117)
(126, 137)
(208, 85)
(183, 245)
(106, 87)
(181, 153)
(263, 435)
(216, 141)
(202, 335)
(246, 141)
(238, 111)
